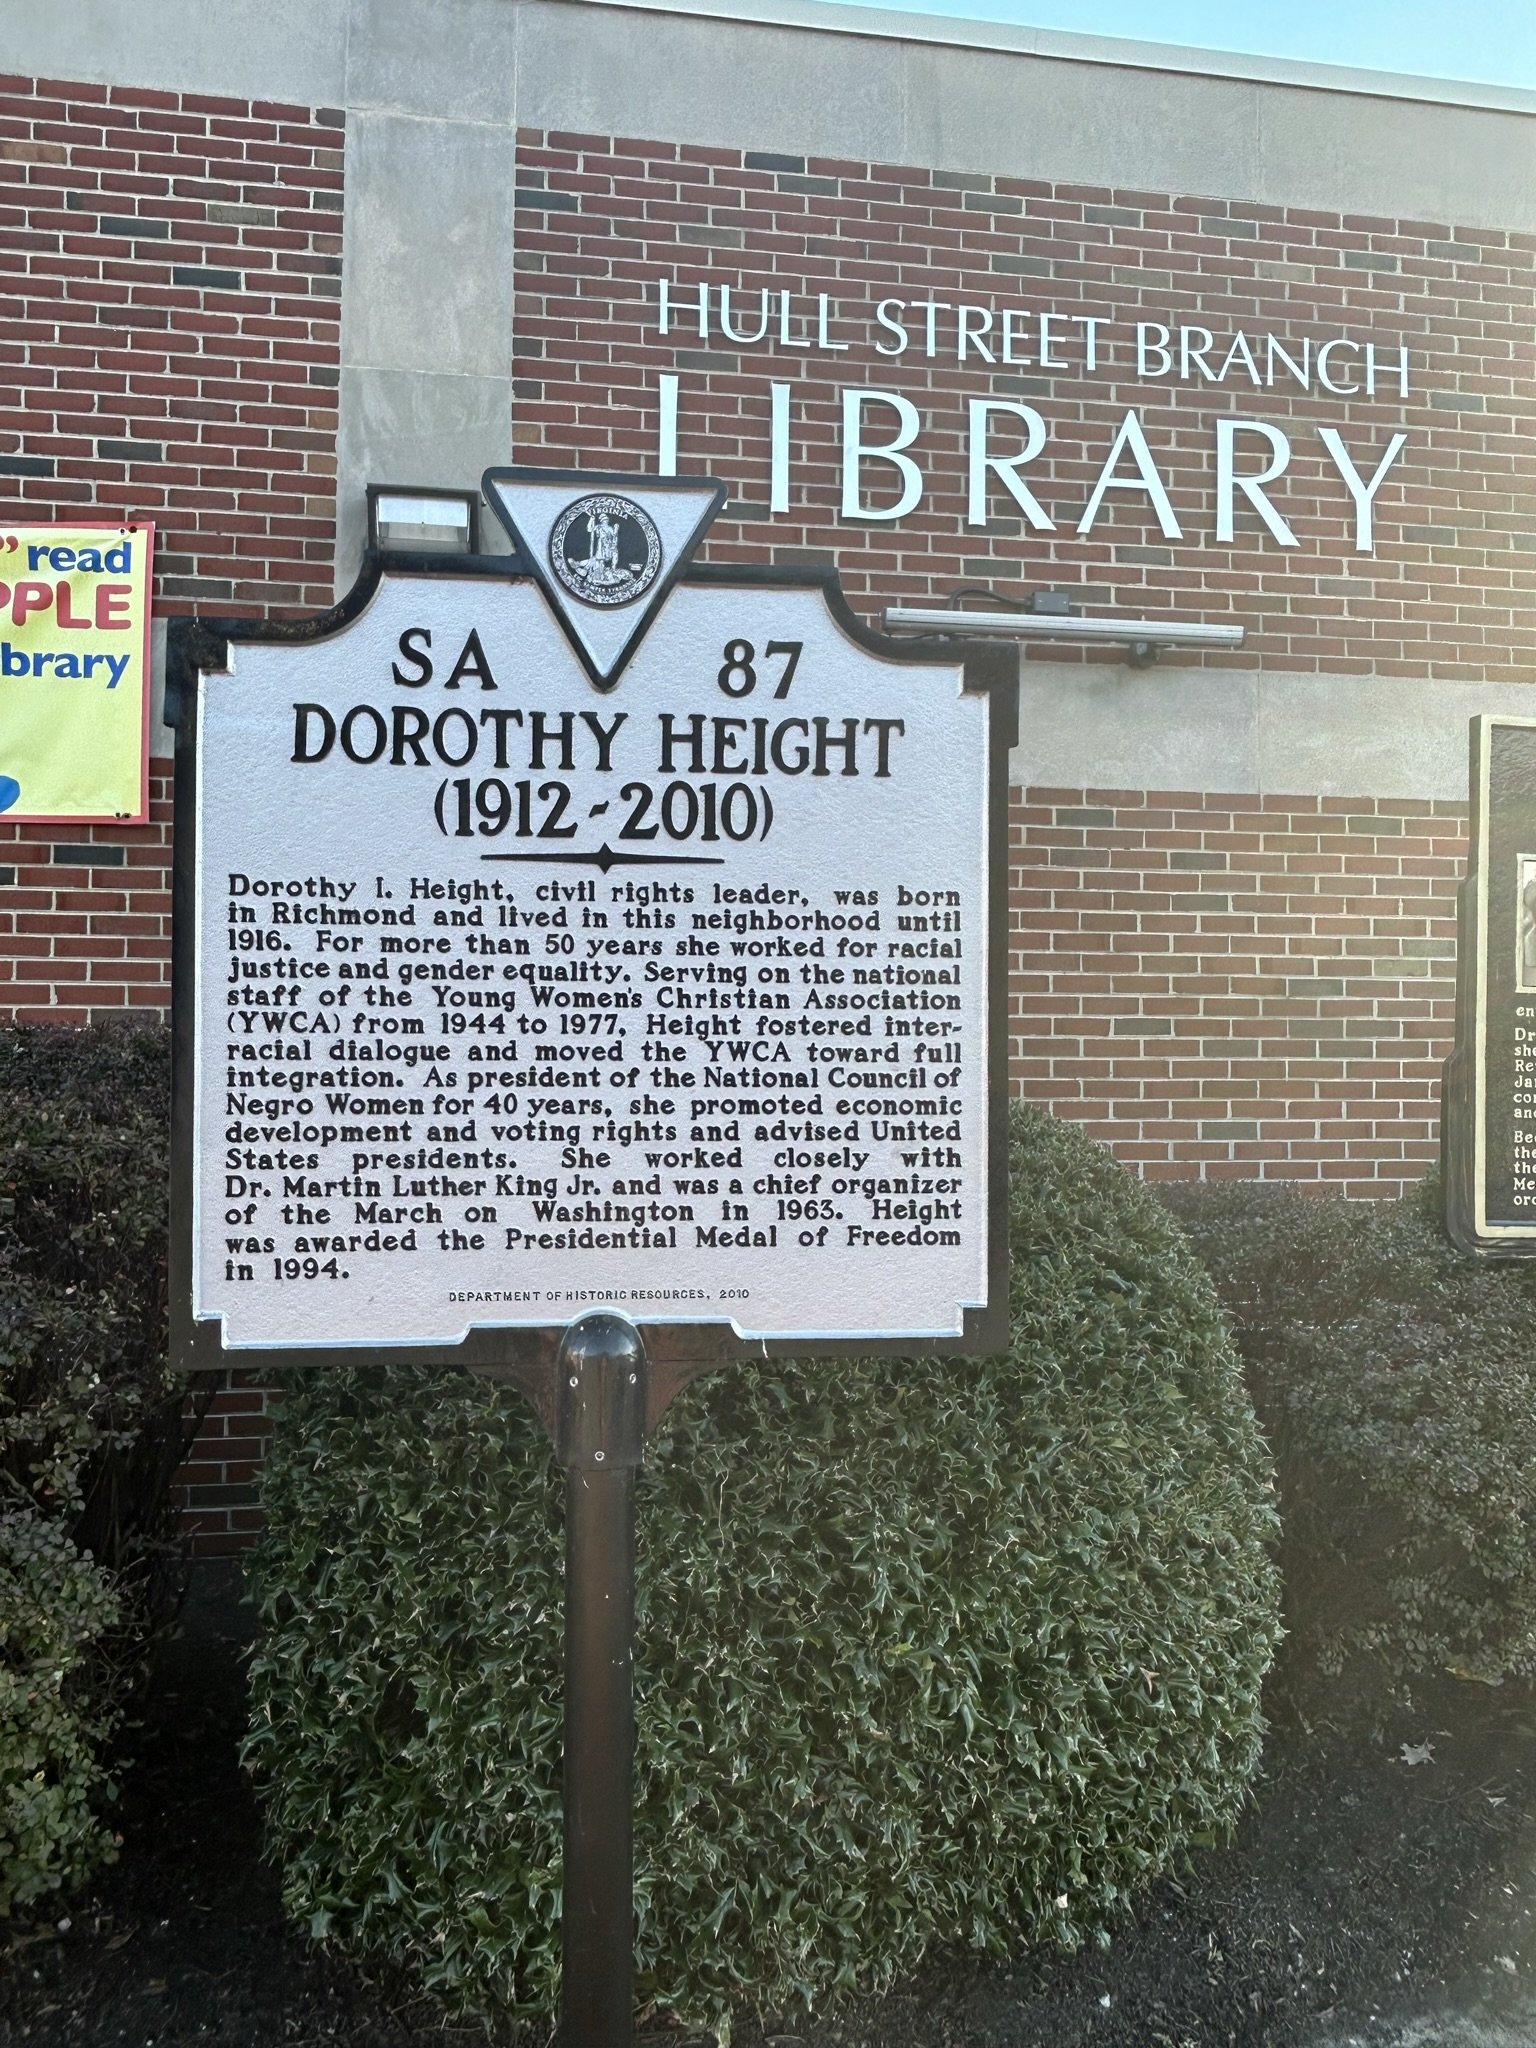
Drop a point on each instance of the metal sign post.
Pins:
(586, 930)
(601, 1368)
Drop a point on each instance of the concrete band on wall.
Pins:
(1258, 733)
(435, 93)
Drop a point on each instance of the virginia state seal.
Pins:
(605, 550)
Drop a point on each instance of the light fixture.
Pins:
(1143, 639)
(422, 519)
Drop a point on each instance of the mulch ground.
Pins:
(1363, 1885)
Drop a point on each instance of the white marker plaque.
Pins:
(511, 988)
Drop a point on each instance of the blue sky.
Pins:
(1491, 40)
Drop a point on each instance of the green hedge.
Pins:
(931, 1654)
(90, 1425)
(1395, 1379)
(56, 1605)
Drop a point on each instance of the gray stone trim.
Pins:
(428, 282)
(652, 69)
(1250, 732)
(1125, 53)
(293, 50)
(895, 87)
(162, 737)
(414, 427)
(454, 56)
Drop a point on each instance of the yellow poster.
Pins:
(74, 672)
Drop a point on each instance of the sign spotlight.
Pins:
(423, 519)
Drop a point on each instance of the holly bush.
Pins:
(1394, 1377)
(932, 1654)
(91, 1425)
(56, 1605)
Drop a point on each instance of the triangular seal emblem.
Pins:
(604, 549)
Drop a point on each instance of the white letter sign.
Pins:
(532, 961)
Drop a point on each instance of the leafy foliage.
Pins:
(90, 1422)
(55, 1605)
(930, 1653)
(1394, 1377)
(89, 1412)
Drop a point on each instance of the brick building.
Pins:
(949, 305)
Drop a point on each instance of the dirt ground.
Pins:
(1371, 1900)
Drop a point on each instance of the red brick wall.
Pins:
(217, 1483)
(170, 268)
(85, 915)
(1238, 986)
(600, 219)
(1215, 984)
(1210, 984)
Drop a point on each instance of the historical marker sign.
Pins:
(572, 930)
(1489, 1117)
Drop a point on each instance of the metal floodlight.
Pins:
(423, 519)
(1143, 639)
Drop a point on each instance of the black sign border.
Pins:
(1464, 1082)
(199, 646)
